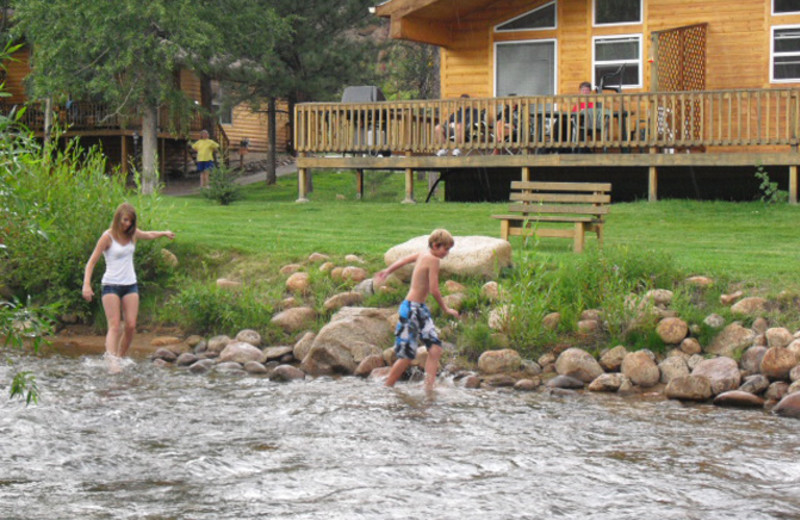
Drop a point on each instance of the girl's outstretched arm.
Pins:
(152, 235)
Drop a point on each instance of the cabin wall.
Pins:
(17, 69)
(254, 125)
(738, 42)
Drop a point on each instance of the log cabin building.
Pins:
(119, 136)
(687, 98)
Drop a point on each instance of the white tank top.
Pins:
(119, 263)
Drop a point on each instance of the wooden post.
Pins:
(163, 163)
(793, 180)
(652, 184)
(124, 156)
(301, 182)
(409, 184)
(360, 183)
(526, 174)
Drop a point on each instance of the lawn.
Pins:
(750, 242)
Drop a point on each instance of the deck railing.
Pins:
(664, 120)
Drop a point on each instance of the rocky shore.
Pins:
(747, 367)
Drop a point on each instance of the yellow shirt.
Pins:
(205, 149)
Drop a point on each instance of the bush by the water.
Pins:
(56, 203)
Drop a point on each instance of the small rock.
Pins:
(565, 382)
(778, 337)
(750, 306)
(689, 388)
(317, 257)
(691, 346)
(551, 320)
(729, 299)
(286, 373)
(700, 281)
(353, 259)
(611, 360)
(254, 367)
(454, 287)
(527, 385)
(739, 399)
(274, 353)
(715, 321)
(672, 330)
(369, 364)
(290, 268)
(298, 283)
(203, 365)
(186, 359)
(249, 336)
(356, 274)
(165, 354)
(491, 291)
(224, 283)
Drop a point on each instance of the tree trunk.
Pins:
(48, 120)
(149, 149)
(206, 97)
(272, 160)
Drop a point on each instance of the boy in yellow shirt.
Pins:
(205, 149)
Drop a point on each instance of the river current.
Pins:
(155, 443)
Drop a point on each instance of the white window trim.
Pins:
(548, 4)
(638, 60)
(517, 42)
(772, 54)
(594, 16)
(790, 13)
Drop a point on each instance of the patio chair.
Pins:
(591, 124)
(371, 131)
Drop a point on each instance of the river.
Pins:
(155, 443)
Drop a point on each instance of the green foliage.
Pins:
(222, 186)
(20, 324)
(474, 338)
(770, 194)
(409, 70)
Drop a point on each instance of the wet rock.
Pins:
(672, 330)
(472, 382)
(254, 367)
(240, 352)
(755, 384)
(608, 382)
(751, 359)
(776, 391)
(230, 367)
(165, 354)
(218, 343)
(160, 363)
(249, 336)
(303, 345)
(578, 364)
(201, 366)
(777, 363)
(286, 373)
(344, 299)
(641, 368)
(274, 353)
(722, 373)
(789, 406)
(528, 385)
(565, 382)
(611, 360)
(778, 337)
(380, 372)
(738, 399)
(368, 364)
(295, 319)
(499, 380)
(750, 306)
(186, 359)
(733, 338)
(298, 283)
(673, 367)
(689, 388)
(498, 361)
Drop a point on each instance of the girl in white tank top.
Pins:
(120, 292)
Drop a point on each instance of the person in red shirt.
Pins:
(584, 89)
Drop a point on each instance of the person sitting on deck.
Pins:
(455, 127)
(584, 90)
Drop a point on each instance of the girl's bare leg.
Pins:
(398, 369)
(111, 306)
(130, 312)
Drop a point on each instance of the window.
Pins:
(785, 54)
(219, 106)
(543, 17)
(610, 53)
(526, 68)
(613, 12)
(785, 6)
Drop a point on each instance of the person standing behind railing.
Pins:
(585, 89)
(455, 127)
(205, 149)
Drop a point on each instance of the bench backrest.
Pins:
(581, 198)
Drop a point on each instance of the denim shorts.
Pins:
(120, 290)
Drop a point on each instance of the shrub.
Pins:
(222, 186)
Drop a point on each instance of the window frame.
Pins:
(554, 41)
(639, 60)
(610, 24)
(554, 3)
(785, 13)
(772, 55)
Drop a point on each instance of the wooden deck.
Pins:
(712, 128)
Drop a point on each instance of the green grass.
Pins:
(752, 243)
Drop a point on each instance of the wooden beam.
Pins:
(421, 30)
(124, 156)
(360, 183)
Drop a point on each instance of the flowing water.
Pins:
(155, 443)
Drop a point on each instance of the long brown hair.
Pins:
(128, 210)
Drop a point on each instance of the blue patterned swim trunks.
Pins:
(415, 324)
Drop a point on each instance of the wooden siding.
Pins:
(738, 45)
(255, 126)
(17, 69)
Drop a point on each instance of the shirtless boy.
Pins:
(415, 318)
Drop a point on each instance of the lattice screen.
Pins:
(680, 65)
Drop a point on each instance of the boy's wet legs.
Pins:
(398, 369)
(432, 365)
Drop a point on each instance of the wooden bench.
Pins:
(583, 204)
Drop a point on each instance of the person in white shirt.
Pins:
(120, 293)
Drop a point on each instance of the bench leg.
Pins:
(504, 227)
(578, 238)
(599, 231)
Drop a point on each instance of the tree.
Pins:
(322, 50)
(123, 52)
(410, 70)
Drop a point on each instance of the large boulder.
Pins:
(470, 256)
(789, 406)
(641, 369)
(611, 359)
(498, 361)
(672, 367)
(722, 372)
(733, 338)
(353, 334)
(778, 362)
(672, 330)
(751, 359)
(240, 352)
(578, 364)
(778, 337)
